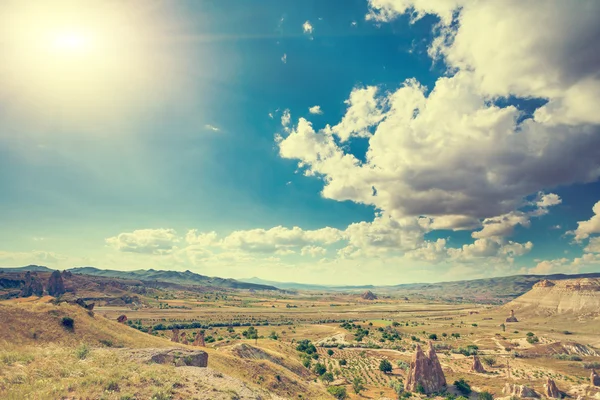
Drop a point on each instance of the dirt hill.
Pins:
(574, 296)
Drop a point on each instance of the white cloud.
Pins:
(313, 251)
(593, 245)
(589, 227)
(147, 241)
(315, 110)
(286, 118)
(307, 27)
(503, 225)
(211, 128)
(364, 111)
(548, 200)
(284, 58)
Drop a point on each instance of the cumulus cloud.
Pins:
(286, 118)
(589, 227)
(284, 58)
(146, 241)
(593, 245)
(307, 27)
(315, 110)
(313, 251)
(548, 200)
(211, 128)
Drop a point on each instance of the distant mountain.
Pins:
(32, 268)
(305, 286)
(185, 278)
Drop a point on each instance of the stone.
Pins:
(199, 340)
(175, 336)
(520, 391)
(56, 286)
(33, 286)
(512, 317)
(594, 378)
(122, 319)
(368, 295)
(477, 366)
(425, 372)
(551, 390)
(181, 358)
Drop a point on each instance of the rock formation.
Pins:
(594, 378)
(33, 286)
(81, 303)
(512, 317)
(183, 338)
(551, 390)
(425, 372)
(181, 358)
(368, 295)
(544, 283)
(67, 274)
(519, 391)
(175, 336)
(477, 366)
(55, 286)
(122, 319)
(199, 340)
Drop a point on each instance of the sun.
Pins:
(71, 41)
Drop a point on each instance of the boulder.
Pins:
(33, 286)
(368, 295)
(594, 378)
(175, 335)
(520, 391)
(181, 358)
(512, 317)
(122, 319)
(425, 372)
(477, 366)
(551, 390)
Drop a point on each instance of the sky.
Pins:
(330, 142)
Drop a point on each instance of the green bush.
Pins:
(68, 323)
(385, 366)
(433, 336)
(485, 396)
(463, 386)
(330, 352)
(343, 361)
(82, 351)
(319, 369)
(339, 392)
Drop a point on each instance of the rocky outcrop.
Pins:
(544, 283)
(551, 390)
(594, 378)
(477, 366)
(368, 295)
(56, 286)
(425, 372)
(33, 286)
(88, 306)
(175, 336)
(122, 319)
(199, 340)
(67, 274)
(181, 358)
(512, 317)
(520, 391)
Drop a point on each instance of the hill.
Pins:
(579, 297)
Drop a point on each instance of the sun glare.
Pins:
(70, 41)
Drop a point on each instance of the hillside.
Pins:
(579, 297)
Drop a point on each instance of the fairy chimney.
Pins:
(551, 390)
(594, 378)
(55, 286)
(512, 317)
(477, 366)
(425, 372)
(33, 286)
(199, 340)
(175, 336)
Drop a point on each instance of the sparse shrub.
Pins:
(329, 352)
(339, 392)
(592, 365)
(82, 351)
(532, 339)
(567, 333)
(319, 369)
(112, 386)
(106, 342)
(530, 334)
(569, 357)
(462, 386)
(357, 385)
(68, 323)
(420, 389)
(475, 325)
(278, 377)
(343, 361)
(327, 377)
(490, 361)
(433, 336)
(402, 365)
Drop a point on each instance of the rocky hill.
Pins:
(573, 296)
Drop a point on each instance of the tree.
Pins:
(251, 333)
(320, 369)
(343, 361)
(357, 385)
(327, 377)
(503, 327)
(385, 366)
(339, 392)
(433, 336)
(329, 352)
(485, 396)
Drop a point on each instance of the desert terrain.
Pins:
(284, 344)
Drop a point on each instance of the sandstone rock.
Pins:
(594, 378)
(81, 303)
(55, 286)
(425, 372)
(520, 391)
(175, 336)
(67, 274)
(199, 340)
(181, 358)
(544, 283)
(551, 390)
(122, 319)
(33, 286)
(477, 366)
(368, 295)
(512, 317)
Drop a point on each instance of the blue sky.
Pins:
(180, 136)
